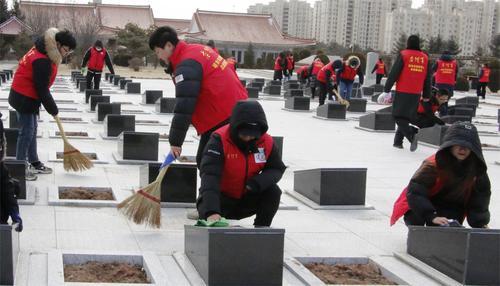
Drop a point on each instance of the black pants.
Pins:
(95, 77)
(278, 75)
(264, 205)
(204, 140)
(379, 78)
(412, 218)
(324, 89)
(481, 89)
(312, 84)
(403, 130)
(422, 121)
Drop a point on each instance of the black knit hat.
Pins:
(413, 42)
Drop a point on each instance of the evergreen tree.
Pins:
(400, 44)
(249, 58)
(4, 11)
(436, 45)
(452, 46)
(15, 11)
(495, 46)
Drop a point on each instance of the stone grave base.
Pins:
(120, 161)
(315, 206)
(54, 199)
(373, 130)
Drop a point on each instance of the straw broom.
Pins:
(73, 159)
(340, 99)
(143, 207)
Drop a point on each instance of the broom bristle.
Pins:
(74, 160)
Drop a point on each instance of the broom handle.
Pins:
(61, 129)
(164, 167)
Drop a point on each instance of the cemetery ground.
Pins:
(60, 231)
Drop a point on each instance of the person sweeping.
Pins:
(30, 89)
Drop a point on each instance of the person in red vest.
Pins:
(483, 80)
(240, 169)
(313, 71)
(232, 63)
(206, 88)
(290, 65)
(326, 80)
(380, 69)
(95, 57)
(211, 44)
(426, 114)
(449, 186)
(445, 72)
(302, 75)
(30, 88)
(279, 67)
(412, 76)
(346, 75)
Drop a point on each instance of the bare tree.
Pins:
(40, 19)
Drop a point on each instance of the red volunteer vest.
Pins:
(317, 66)
(412, 77)
(486, 75)
(348, 73)
(322, 72)
(96, 61)
(421, 109)
(277, 64)
(289, 63)
(446, 72)
(237, 168)
(220, 87)
(23, 78)
(380, 68)
(302, 71)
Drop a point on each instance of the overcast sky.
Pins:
(184, 9)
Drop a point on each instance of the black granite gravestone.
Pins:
(104, 108)
(377, 121)
(278, 142)
(236, 256)
(258, 85)
(291, 85)
(78, 79)
(9, 252)
(106, 76)
(432, 135)
(138, 145)
(367, 91)
(294, 92)
(179, 184)
(464, 111)
(89, 92)
(151, 96)
(450, 119)
(116, 80)
(272, 90)
(333, 186)
(466, 105)
(375, 97)
(82, 85)
(378, 88)
(165, 105)
(115, 124)
(11, 135)
(298, 103)
(112, 78)
(94, 99)
(274, 82)
(357, 105)
(470, 256)
(17, 170)
(332, 111)
(468, 100)
(134, 87)
(356, 93)
(262, 80)
(3, 76)
(124, 82)
(253, 92)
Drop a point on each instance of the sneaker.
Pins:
(40, 168)
(193, 215)
(414, 142)
(30, 176)
(397, 146)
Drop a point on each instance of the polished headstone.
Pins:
(134, 87)
(165, 105)
(179, 184)
(298, 103)
(332, 111)
(377, 121)
(104, 108)
(89, 92)
(138, 145)
(115, 124)
(151, 96)
(94, 99)
(357, 105)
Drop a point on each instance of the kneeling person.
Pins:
(240, 169)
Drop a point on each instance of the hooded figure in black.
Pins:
(452, 184)
(243, 139)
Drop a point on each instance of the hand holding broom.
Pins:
(144, 206)
(74, 160)
(340, 99)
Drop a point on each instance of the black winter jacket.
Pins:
(212, 162)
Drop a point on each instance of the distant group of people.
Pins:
(284, 65)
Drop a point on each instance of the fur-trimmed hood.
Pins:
(47, 45)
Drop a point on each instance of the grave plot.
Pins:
(133, 88)
(150, 122)
(368, 91)
(115, 124)
(95, 99)
(17, 170)
(357, 105)
(96, 158)
(9, 252)
(71, 120)
(256, 85)
(84, 196)
(72, 135)
(65, 101)
(293, 92)
(97, 267)
(298, 104)
(165, 105)
(134, 111)
(331, 111)
(341, 271)
(468, 100)
(116, 80)
(461, 110)
(227, 256)
(469, 256)
(124, 82)
(378, 88)
(69, 109)
(381, 122)
(151, 96)
(164, 138)
(178, 187)
(104, 109)
(137, 148)
(332, 188)
(273, 88)
(90, 92)
(253, 92)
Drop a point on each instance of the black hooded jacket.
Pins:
(212, 162)
(41, 77)
(454, 195)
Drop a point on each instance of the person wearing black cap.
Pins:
(95, 57)
(240, 169)
(449, 186)
(412, 76)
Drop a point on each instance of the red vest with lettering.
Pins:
(322, 72)
(220, 88)
(277, 64)
(302, 71)
(421, 109)
(348, 73)
(23, 78)
(412, 77)
(289, 63)
(96, 61)
(240, 167)
(380, 67)
(446, 72)
(486, 75)
(317, 66)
